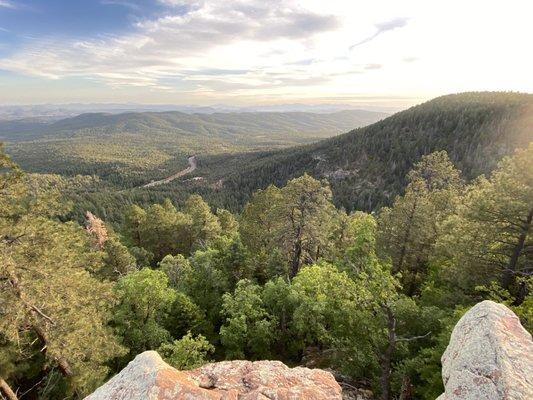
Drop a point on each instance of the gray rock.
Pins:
(490, 357)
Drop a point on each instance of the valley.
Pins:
(365, 167)
(131, 149)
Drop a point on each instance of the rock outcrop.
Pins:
(148, 377)
(490, 357)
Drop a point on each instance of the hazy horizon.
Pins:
(384, 54)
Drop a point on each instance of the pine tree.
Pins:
(294, 221)
(490, 237)
(144, 303)
(205, 226)
(47, 291)
(409, 229)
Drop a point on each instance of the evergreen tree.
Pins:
(144, 303)
(229, 225)
(166, 230)
(135, 219)
(204, 227)
(294, 221)
(178, 270)
(48, 295)
(117, 259)
(206, 284)
(409, 229)
(248, 328)
(259, 224)
(490, 237)
(306, 212)
(185, 316)
(189, 352)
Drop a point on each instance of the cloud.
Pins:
(391, 24)
(216, 22)
(179, 3)
(217, 72)
(8, 4)
(381, 28)
(122, 3)
(275, 81)
(306, 61)
(182, 44)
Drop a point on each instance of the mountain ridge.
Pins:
(133, 148)
(321, 124)
(366, 166)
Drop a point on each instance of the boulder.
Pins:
(490, 356)
(149, 377)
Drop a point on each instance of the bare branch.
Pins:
(409, 339)
(42, 314)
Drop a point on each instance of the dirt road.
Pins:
(192, 166)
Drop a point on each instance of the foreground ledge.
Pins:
(149, 377)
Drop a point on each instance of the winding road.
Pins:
(192, 166)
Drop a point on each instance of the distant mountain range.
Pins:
(282, 126)
(54, 112)
(152, 144)
(238, 153)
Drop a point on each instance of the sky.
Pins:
(249, 52)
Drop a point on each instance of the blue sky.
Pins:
(241, 52)
(75, 17)
(23, 20)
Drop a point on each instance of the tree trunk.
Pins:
(138, 234)
(407, 388)
(386, 358)
(63, 364)
(406, 237)
(521, 294)
(34, 316)
(295, 265)
(7, 391)
(517, 250)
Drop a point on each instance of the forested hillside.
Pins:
(374, 297)
(367, 166)
(295, 125)
(133, 148)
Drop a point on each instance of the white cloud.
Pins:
(122, 3)
(170, 45)
(383, 27)
(7, 4)
(254, 50)
(182, 3)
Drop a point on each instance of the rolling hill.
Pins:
(132, 148)
(366, 167)
(248, 127)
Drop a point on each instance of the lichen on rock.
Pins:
(148, 377)
(489, 357)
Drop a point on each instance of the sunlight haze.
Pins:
(384, 53)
